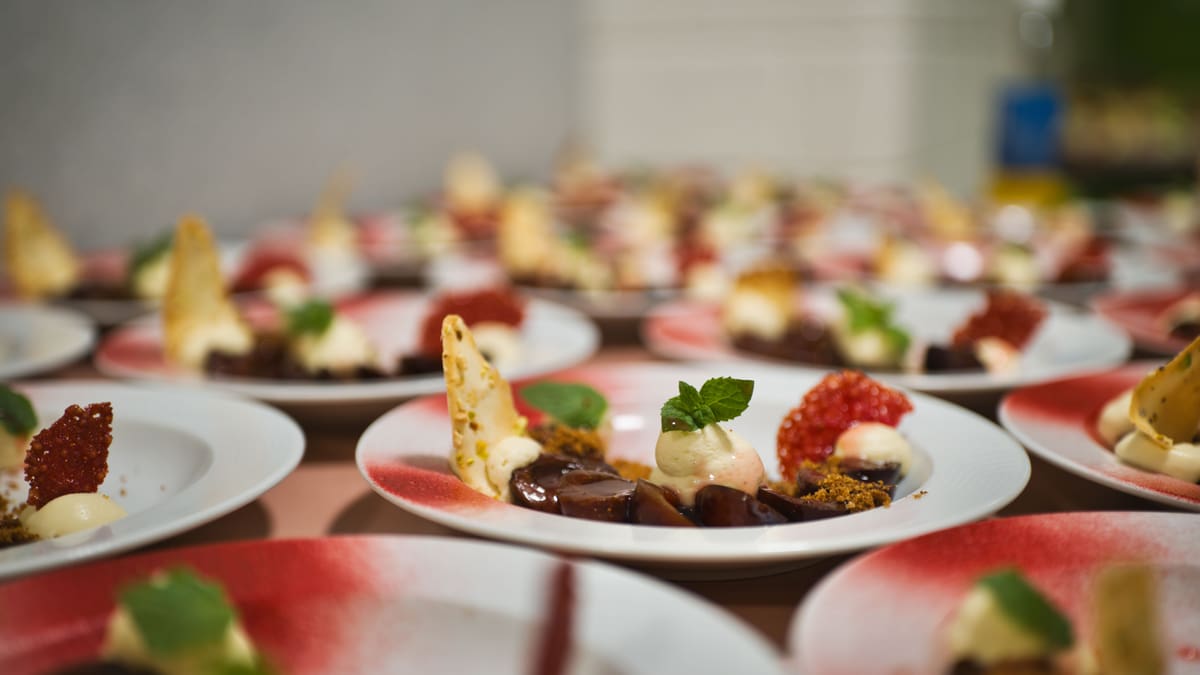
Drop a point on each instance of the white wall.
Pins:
(876, 89)
(121, 114)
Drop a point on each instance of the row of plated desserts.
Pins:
(839, 450)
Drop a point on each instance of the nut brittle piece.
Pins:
(1166, 403)
(198, 317)
(39, 258)
(482, 412)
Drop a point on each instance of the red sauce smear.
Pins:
(553, 647)
(1189, 653)
(70, 455)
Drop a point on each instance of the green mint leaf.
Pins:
(16, 413)
(718, 400)
(726, 397)
(1029, 608)
(148, 252)
(573, 404)
(178, 612)
(676, 417)
(311, 318)
(862, 311)
(897, 339)
(260, 667)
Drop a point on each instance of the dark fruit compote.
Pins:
(571, 478)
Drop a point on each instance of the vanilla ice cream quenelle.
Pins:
(694, 450)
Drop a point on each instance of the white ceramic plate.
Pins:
(402, 605)
(886, 612)
(1069, 341)
(1139, 313)
(404, 456)
(178, 459)
(37, 338)
(1057, 422)
(552, 338)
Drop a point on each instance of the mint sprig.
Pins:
(573, 404)
(718, 400)
(16, 412)
(148, 252)
(865, 313)
(178, 612)
(1021, 602)
(314, 317)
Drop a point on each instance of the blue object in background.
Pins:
(1030, 123)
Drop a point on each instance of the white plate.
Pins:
(1069, 341)
(1140, 313)
(404, 456)
(552, 338)
(1057, 422)
(178, 459)
(402, 605)
(37, 338)
(887, 611)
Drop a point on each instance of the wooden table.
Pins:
(327, 496)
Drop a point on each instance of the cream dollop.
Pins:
(12, 449)
(749, 312)
(499, 341)
(869, 348)
(1114, 421)
(227, 335)
(150, 282)
(997, 355)
(71, 513)
(285, 287)
(124, 643)
(1181, 460)
(874, 442)
(507, 456)
(342, 347)
(983, 633)
(689, 460)
(907, 263)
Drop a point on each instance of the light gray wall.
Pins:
(121, 114)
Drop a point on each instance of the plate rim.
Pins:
(801, 619)
(951, 383)
(84, 331)
(1010, 421)
(720, 555)
(291, 454)
(308, 393)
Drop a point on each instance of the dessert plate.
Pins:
(1068, 342)
(1138, 313)
(886, 611)
(404, 456)
(402, 605)
(37, 338)
(552, 338)
(1057, 422)
(178, 459)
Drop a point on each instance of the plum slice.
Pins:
(536, 486)
(721, 506)
(595, 495)
(653, 505)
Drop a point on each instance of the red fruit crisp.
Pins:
(838, 402)
(70, 455)
(1008, 315)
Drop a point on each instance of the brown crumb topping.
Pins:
(631, 471)
(564, 440)
(854, 494)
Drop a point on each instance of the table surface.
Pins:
(327, 496)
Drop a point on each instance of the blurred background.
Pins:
(121, 114)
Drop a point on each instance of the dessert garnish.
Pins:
(1005, 619)
(572, 404)
(39, 258)
(703, 473)
(150, 268)
(838, 403)
(1004, 624)
(177, 623)
(17, 422)
(1182, 318)
(868, 335)
(329, 230)
(323, 341)
(64, 467)
(494, 315)
(198, 317)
